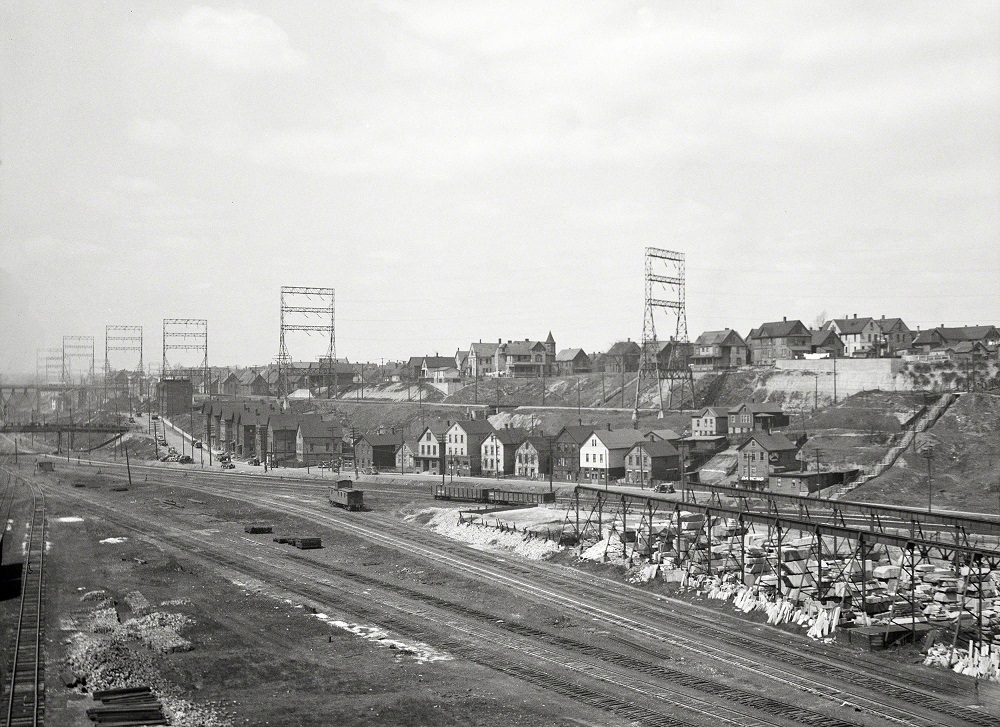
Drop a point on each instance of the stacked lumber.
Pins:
(127, 707)
(258, 528)
(307, 543)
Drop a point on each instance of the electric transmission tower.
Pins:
(312, 311)
(122, 338)
(186, 334)
(665, 361)
(77, 347)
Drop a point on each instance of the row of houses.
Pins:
(853, 337)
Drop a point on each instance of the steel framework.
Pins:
(667, 361)
(185, 334)
(48, 365)
(122, 338)
(77, 347)
(301, 308)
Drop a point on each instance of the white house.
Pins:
(602, 456)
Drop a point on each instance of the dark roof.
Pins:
(383, 440)
(475, 426)
(717, 338)
(966, 333)
(663, 434)
(770, 442)
(521, 348)
(851, 326)
(511, 435)
(761, 408)
(577, 433)
(439, 362)
(713, 412)
(820, 337)
(660, 448)
(889, 324)
(541, 444)
(618, 438)
(930, 336)
(313, 427)
(282, 421)
(248, 377)
(550, 339)
(484, 349)
(568, 354)
(624, 348)
(415, 361)
(778, 329)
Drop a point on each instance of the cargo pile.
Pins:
(103, 661)
(447, 522)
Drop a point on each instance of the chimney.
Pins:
(855, 315)
(784, 319)
(609, 426)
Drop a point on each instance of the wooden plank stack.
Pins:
(127, 707)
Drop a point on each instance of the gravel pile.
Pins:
(138, 603)
(107, 657)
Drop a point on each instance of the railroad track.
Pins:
(513, 651)
(622, 603)
(26, 690)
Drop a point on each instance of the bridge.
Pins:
(57, 428)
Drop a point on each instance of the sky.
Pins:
(481, 171)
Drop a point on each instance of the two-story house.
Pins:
(862, 337)
(406, 456)
(710, 422)
(571, 361)
(775, 340)
(566, 452)
(282, 432)
(430, 455)
(482, 359)
(623, 357)
(602, 455)
(941, 337)
(826, 341)
(532, 459)
(649, 462)
(762, 455)
(317, 441)
(896, 336)
(377, 450)
(527, 358)
(744, 419)
(463, 446)
(723, 349)
(498, 451)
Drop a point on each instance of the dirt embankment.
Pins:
(964, 472)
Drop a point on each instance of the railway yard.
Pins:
(392, 622)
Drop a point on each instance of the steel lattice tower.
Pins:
(307, 310)
(670, 360)
(77, 347)
(186, 334)
(122, 338)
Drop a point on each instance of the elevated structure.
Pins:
(48, 365)
(185, 334)
(312, 311)
(122, 338)
(77, 348)
(665, 361)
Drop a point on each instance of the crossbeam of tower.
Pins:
(185, 334)
(311, 311)
(665, 361)
(77, 347)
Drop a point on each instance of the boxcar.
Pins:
(512, 497)
(347, 498)
(462, 493)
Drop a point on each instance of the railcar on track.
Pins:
(461, 493)
(344, 495)
(491, 495)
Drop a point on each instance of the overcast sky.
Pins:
(491, 170)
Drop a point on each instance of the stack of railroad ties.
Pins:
(851, 592)
(127, 707)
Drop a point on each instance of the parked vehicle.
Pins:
(196, 444)
(131, 420)
(186, 459)
(253, 461)
(155, 417)
(227, 466)
(172, 450)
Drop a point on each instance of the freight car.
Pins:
(461, 493)
(345, 496)
(513, 497)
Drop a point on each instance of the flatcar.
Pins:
(347, 497)
(461, 493)
(514, 497)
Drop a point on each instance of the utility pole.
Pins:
(834, 377)
(928, 454)
(578, 395)
(354, 451)
(128, 466)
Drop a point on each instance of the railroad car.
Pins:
(462, 493)
(513, 497)
(345, 496)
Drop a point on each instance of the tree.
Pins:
(820, 320)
